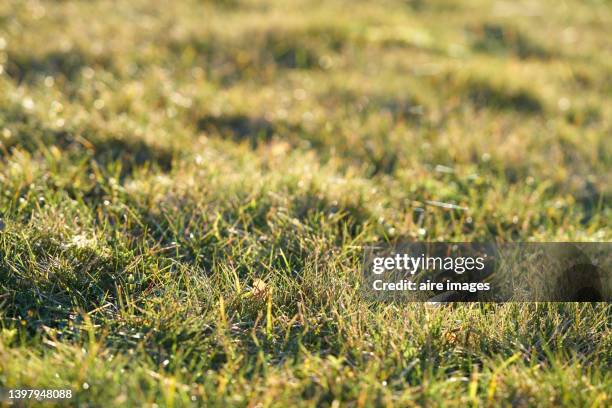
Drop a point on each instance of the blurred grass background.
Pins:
(185, 189)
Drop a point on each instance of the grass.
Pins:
(186, 188)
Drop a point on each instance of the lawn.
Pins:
(186, 189)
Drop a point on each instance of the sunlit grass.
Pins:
(186, 187)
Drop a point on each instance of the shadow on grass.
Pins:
(502, 39)
(239, 127)
(258, 54)
(485, 95)
(33, 136)
(68, 64)
(53, 279)
(248, 232)
(253, 129)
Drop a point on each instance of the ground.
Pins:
(186, 188)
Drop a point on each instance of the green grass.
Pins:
(186, 188)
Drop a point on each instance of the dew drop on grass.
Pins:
(28, 104)
(564, 103)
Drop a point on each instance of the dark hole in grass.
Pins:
(580, 282)
(587, 294)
